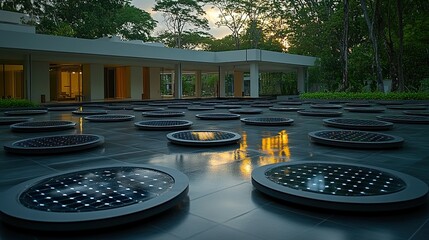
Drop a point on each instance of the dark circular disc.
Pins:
(93, 198)
(159, 104)
(364, 109)
(268, 121)
(55, 144)
(90, 112)
(179, 106)
(358, 124)
(200, 108)
(25, 112)
(163, 124)
(286, 109)
(407, 107)
(218, 116)
(147, 109)
(355, 139)
(227, 106)
(410, 119)
(340, 186)
(117, 107)
(163, 114)
(320, 113)
(416, 112)
(356, 104)
(293, 103)
(69, 108)
(12, 120)
(326, 106)
(246, 111)
(209, 103)
(42, 126)
(264, 105)
(110, 118)
(203, 138)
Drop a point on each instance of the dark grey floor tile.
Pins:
(222, 232)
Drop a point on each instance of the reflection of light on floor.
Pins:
(277, 146)
(204, 135)
(80, 125)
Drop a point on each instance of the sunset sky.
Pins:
(211, 15)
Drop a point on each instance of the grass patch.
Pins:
(16, 103)
(366, 96)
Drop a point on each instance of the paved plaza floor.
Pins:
(222, 203)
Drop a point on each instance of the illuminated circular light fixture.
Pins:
(93, 198)
(320, 113)
(286, 109)
(411, 119)
(163, 114)
(110, 118)
(89, 112)
(364, 109)
(340, 186)
(55, 144)
(416, 112)
(206, 138)
(246, 111)
(12, 120)
(163, 124)
(25, 112)
(326, 106)
(147, 109)
(355, 139)
(200, 108)
(59, 109)
(358, 124)
(268, 121)
(117, 107)
(218, 116)
(42, 126)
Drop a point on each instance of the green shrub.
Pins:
(13, 103)
(366, 95)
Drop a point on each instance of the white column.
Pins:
(198, 84)
(301, 79)
(178, 87)
(136, 82)
(39, 82)
(221, 82)
(254, 80)
(93, 82)
(155, 83)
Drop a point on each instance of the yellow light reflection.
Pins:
(277, 149)
(203, 136)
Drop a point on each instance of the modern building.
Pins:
(45, 68)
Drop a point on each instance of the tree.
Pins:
(181, 15)
(344, 46)
(196, 40)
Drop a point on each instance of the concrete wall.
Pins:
(93, 82)
(136, 82)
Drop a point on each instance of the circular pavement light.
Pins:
(268, 121)
(55, 144)
(264, 105)
(163, 124)
(147, 109)
(416, 112)
(200, 108)
(218, 116)
(358, 124)
(326, 106)
(93, 198)
(364, 109)
(226, 106)
(355, 139)
(286, 109)
(407, 107)
(12, 120)
(412, 119)
(356, 104)
(178, 106)
(89, 112)
(163, 114)
(246, 110)
(69, 108)
(206, 138)
(110, 118)
(290, 103)
(25, 112)
(42, 126)
(340, 186)
(320, 113)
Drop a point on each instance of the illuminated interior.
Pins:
(66, 82)
(11, 81)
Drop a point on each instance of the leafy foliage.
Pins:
(14, 103)
(366, 95)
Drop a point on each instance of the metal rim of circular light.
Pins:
(90, 112)
(12, 120)
(110, 118)
(392, 142)
(202, 108)
(16, 214)
(69, 108)
(25, 112)
(320, 113)
(409, 119)
(265, 105)
(356, 104)
(41, 126)
(286, 109)
(163, 114)
(172, 137)
(178, 106)
(117, 107)
(95, 141)
(364, 109)
(407, 107)
(358, 124)
(326, 106)
(268, 121)
(246, 110)
(163, 124)
(218, 116)
(416, 112)
(227, 106)
(147, 109)
(290, 103)
(414, 194)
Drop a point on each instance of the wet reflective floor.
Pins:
(222, 203)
